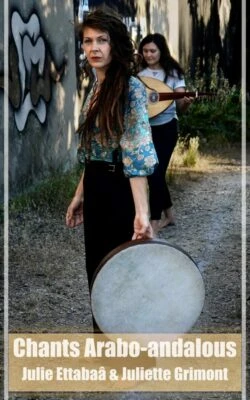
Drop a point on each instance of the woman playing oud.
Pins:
(158, 63)
(116, 144)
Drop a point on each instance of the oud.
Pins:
(161, 96)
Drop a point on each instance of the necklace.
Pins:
(155, 72)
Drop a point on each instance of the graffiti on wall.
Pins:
(31, 70)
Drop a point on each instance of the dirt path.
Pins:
(48, 289)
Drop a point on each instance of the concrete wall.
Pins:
(44, 105)
(160, 16)
(211, 29)
(1, 102)
(164, 16)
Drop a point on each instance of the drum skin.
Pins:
(147, 287)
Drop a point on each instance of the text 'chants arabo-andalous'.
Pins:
(92, 348)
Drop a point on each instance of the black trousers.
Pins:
(164, 137)
(108, 212)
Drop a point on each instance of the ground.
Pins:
(47, 282)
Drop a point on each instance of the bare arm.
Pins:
(142, 227)
(74, 215)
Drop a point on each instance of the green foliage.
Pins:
(215, 119)
(54, 193)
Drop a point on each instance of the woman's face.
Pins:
(96, 45)
(151, 55)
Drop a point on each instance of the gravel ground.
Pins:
(47, 282)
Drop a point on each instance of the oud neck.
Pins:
(177, 95)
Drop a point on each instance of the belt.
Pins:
(105, 166)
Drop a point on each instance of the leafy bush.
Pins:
(217, 119)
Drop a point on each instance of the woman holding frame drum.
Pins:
(116, 145)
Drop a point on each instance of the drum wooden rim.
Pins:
(132, 243)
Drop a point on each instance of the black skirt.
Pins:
(108, 211)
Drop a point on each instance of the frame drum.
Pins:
(147, 286)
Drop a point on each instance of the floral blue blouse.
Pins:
(138, 153)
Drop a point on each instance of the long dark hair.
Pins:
(108, 106)
(168, 63)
